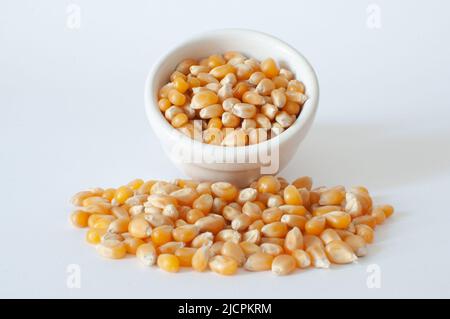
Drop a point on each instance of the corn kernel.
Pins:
(168, 262)
(79, 218)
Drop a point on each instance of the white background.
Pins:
(72, 116)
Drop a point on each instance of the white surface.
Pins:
(73, 116)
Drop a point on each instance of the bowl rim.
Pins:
(156, 118)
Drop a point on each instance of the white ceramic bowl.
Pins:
(206, 162)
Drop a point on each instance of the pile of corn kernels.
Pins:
(231, 100)
(270, 225)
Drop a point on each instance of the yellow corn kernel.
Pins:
(293, 240)
(185, 196)
(96, 201)
(249, 248)
(112, 249)
(365, 220)
(111, 236)
(203, 99)
(185, 255)
(269, 184)
(170, 247)
(211, 223)
(179, 120)
(233, 250)
(232, 54)
(379, 215)
(216, 248)
(135, 184)
(329, 235)
(180, 84)
(164, 104)
(194, 82)
(225, 191)
(363, 197)
(256, 77)
(204, 203)
(294, 221)
(122, 194)
(273, 240)
(271, 215)
(79, 218)
(339, 252)
(240, 89)
(259, 261)
(338, 219)
(312, 240)
(251, 236)
(108, 194)
(164, 91)
(257, 224)
(291, 108)
(161, 235)
(146, 253)
(280, 82)
(203, 239)
(269, 67)
(161, 201)
(303, 182)
(319, 258)
(223, 265)
(241, 222)
(94, 236)
(176, 98)
(215, 122)
(252, 210)
(139, 228)
(331, 197)
(366, 232)
(120, 212)
(266, 87)
(100, 221)
(220, 71)
(295, 85)
(315, 225)
(168, 262)
(176, 75)
(283, 265)
(204, 188)
(357, 243)
(294, 209)
(184, 65)
(388, 210)
(132, 244)
(292, 196)
(200, 259)
(193, 215)
(253, 98)
(145, 188)
(228, 235)
(78, 198)
(185, 233)
(323, 210)
(215, 60)
(118, 226)
(276, 229)
(302, 258)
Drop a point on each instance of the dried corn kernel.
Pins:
(168, 262)
(283, 264)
